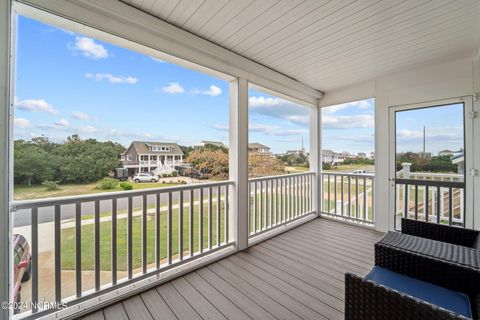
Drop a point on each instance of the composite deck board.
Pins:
(296, 275)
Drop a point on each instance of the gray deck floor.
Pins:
(296, 275)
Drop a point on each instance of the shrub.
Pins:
(107, 184)
(174, 174)
(50, 185)
(126, 186)
(165, 175)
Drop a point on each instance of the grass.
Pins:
(352, 167)
(22, 192)
(88, 234)
(296, 169)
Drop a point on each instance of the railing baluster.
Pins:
(365, 206)
(130, 238)
(356, 197)
(114, 241)
(262, 212)
(426, 204)
(328, 188)
(218, 215)
(78, 248)
(342, 195)
(438, 204)
(267, 202)
(210, 204)
(180, 227)
(406, 201)
(227, 213)
(144, 234)
(275, 199)
(169, 229)
(416, 202)
(58, 255)
(335, 193)
(97, 245)
(270, 207)
(255, 207)
(282, 200)
(158, 204)
(200, 222)
(190, 224)
(34, 220)
(349, 197)
(450, 205)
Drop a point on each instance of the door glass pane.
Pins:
(429, 164)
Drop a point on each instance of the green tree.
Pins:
(32, 164)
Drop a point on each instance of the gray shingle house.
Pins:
(156, 157)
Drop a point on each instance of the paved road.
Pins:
(23, 217)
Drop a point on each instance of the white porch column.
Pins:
(238, 154)
(5, 147)
(315, 147)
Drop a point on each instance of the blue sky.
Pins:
(67, 83)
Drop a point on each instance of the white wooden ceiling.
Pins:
(328, 44)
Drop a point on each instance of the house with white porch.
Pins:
(155, 157)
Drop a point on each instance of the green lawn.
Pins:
(68, 239)
(22, 192)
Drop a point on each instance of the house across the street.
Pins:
(258, 148)
(156, 157)
(203, 143)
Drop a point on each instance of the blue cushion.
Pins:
(448, 299)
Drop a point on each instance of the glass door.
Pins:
(430, 155)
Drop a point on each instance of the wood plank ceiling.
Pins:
(328, 44)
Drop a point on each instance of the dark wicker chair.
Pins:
(454, 235)
(365, 299)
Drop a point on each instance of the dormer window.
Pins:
(161, 148)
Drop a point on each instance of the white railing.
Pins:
(115, 239)
(348, 197)
(278, 200)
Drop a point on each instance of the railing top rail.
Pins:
(346, 174)
(435, 174)
(282, 176)
(48, 202)
(431, 183)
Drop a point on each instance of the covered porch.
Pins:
(272, 247)
(296, 275)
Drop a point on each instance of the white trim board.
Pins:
(121, 24)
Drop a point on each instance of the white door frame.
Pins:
(469, 154)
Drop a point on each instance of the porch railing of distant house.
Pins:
(276, 201)
(173, 225)
(348, 197)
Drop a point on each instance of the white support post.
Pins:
(5, 147)
(238, 154)
(315, 156)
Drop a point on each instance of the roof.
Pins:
(256, 145)
(142, 147)
(215, 143)
(338, 38)
(457, 158)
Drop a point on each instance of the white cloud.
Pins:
(111, 78)
(213, 91)
(89, 48)
(35, 105)
(158, 60)
(280, 109)
(173, 88)
(88, 129)
(266, 129)
(21, 123)
(360, 104)
(348, 122)
(82, 116)
(62, 123)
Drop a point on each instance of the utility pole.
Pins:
(424, 154)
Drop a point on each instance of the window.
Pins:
(279, 136)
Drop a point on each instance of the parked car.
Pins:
(145, 177)
(359, 171)
(22, 265)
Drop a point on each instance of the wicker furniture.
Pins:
(435, 262)
(454, 235)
